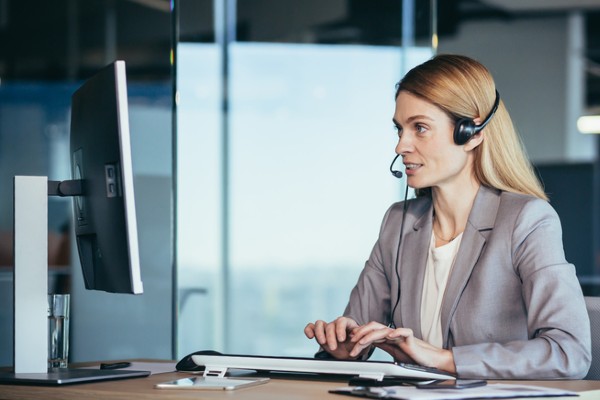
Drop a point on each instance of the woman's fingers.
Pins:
(309, 330)
(343, 327)
(375, 336)
(362, 333)
(400, 333)
(330, 334)
(367, 336)
(344, 338)
(320, 332)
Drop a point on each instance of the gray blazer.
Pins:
(513, 307)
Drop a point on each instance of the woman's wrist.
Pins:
(447, 361)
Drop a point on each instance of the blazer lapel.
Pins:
(481, 219)
(412, 270)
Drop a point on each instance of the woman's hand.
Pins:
(334, 337)
(401, 344)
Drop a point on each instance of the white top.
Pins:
(439, 265)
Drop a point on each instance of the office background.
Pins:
(261, 136)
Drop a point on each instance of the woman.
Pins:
(470, 277)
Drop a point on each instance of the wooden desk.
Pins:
(276, 389)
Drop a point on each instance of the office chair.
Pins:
(593, 307)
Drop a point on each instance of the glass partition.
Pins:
(46, 50)
(284, 140)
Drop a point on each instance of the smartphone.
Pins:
(453, 384)
(211, 383)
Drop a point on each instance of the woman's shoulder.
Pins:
(523, 200)
(525, 205)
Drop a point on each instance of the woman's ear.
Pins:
(475, 141)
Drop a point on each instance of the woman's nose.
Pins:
(404, 144)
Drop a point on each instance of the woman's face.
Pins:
(429, 153)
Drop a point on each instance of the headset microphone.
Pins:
(397, 174)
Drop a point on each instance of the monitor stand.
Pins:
(58, 376)
(30, 347)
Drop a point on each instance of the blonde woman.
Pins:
(470, 277)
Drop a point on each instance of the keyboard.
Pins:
(217, 365)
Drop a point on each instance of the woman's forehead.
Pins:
(409, 105)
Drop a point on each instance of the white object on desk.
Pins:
(495, 390)
(217, 365)
(31, 274)
(211, 383)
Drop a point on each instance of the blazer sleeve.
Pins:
(558, 329)
(370, 297)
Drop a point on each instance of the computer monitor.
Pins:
(104, 220)
(104, 214)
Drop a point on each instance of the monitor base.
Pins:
(56, 376)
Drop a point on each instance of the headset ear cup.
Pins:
(464, 130)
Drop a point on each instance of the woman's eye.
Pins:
(420, 128)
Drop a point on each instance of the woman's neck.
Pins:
(452, 205)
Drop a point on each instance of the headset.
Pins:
(466, 128)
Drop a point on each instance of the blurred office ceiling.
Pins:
(591, 11)
(70, 39)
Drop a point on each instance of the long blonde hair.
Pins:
(464, 88)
